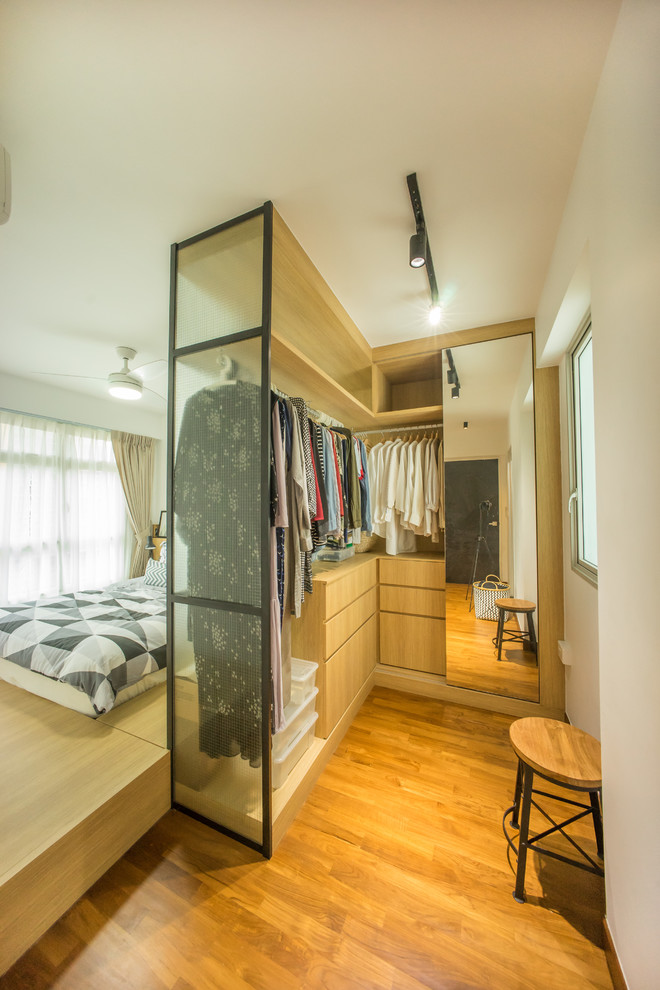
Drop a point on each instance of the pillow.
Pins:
(156, 574)
(163, 553)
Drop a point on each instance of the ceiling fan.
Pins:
(127, 383)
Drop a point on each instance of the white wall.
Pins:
(24, 395)
(580, 599)
(614, 207)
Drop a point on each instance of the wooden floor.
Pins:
(472, 659)
(394, 875)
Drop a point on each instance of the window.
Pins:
(63, 522)
(582, 502)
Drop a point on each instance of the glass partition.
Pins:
(219, 467)
(219, 282)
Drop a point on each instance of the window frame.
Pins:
(587, 569)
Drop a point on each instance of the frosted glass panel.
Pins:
(217, 474)
(219, 284)
(218, 717)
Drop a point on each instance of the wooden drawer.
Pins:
(413, 573)
(412, 641)
(340, 628)
(340, 678)
(412, 601)
(349, 585)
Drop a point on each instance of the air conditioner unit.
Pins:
(5, 185)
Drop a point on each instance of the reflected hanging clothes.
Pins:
(218, 510)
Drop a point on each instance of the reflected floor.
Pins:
(472, 658)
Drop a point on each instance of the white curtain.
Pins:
(63, 518)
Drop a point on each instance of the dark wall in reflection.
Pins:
(469, 486)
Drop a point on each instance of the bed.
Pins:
(88, 650)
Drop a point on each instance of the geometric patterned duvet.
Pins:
(97, 641)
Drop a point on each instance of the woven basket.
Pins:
(486, 593)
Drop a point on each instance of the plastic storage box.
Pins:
(284, 764)
(296, 715)
(303, 679)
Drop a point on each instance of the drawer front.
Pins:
(413, 573)
(414, 642)
(343, 675)
(352, 584)
(345, 623)
(412, 601)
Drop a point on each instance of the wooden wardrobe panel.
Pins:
(342, 676)
(413, 642)
(413, 573)
(340, 628)
(353, 583)
(412, 601)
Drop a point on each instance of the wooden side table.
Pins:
(569, 758)
(518, 606)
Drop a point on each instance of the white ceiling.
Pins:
(136, 123)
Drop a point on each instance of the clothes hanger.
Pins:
(225, 376)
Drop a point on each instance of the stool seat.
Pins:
(568, 758)
(558, 750)
(515, 605)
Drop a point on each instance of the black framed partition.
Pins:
(219, 694)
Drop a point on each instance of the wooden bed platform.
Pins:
(76, 794)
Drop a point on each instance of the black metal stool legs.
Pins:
(527, 781)
(515, 817)
(598, 820)
(500, 632)
(532, 632)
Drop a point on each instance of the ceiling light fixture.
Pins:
(452, 376)
(435, 315)
(124, 384)
(122, 387)
(420, 249)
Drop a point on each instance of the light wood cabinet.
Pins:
(338, 629)
(414, 642)
(342, 675)
(412, 601)
(412, 609)
(413, 571)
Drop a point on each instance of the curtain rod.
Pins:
(399, 429)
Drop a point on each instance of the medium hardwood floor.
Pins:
(472, 659)
(394, 876)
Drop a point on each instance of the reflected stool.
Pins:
(564, 756)
(517, 606)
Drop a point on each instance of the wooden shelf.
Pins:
(294, 373)
(407, 417)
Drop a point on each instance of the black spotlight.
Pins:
(418, 248)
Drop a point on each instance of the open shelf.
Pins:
(294, 373)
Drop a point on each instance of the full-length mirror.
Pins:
(490, 517)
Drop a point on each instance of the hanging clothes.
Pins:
(216, 480)
(406, 491)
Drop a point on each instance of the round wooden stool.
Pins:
(519, 606)
(567, 757)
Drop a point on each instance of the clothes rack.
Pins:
(319, 417)
(399, 429)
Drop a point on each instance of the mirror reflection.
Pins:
(490, 510)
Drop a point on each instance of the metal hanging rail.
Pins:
(399, 429)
